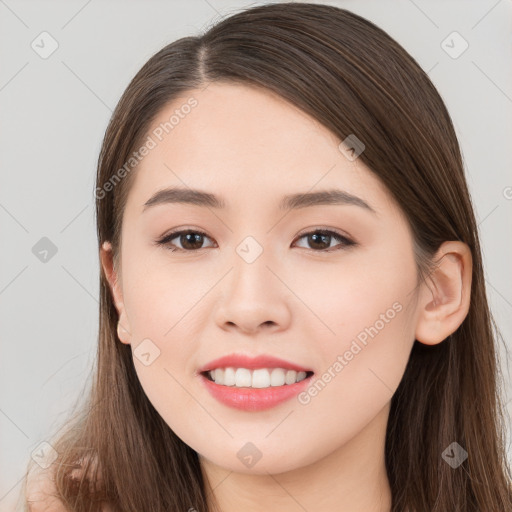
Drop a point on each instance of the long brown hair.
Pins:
(353, 78)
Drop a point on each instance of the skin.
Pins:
(294, 301)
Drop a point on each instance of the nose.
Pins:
(254, 298)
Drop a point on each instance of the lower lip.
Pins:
(254, 399)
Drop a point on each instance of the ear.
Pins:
(107, 263)
(445, 296)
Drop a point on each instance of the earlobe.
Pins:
(446, 294)
(122, 332)
(107, 263)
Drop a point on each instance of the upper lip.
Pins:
(251, 363)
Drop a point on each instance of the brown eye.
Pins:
(190, 240)
(320, 240)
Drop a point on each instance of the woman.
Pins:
(293, 312)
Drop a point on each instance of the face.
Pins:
(326, 287)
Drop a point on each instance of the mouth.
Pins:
(255, 379)
(256, 390)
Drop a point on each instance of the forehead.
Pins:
(245, 143)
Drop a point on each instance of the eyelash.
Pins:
(345, 241)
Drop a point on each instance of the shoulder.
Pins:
(41, 493)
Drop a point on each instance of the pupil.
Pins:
(315, 236)
(197, 237)
(195, 240)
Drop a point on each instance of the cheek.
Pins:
(361, 289)
(366, 332)
(161, 296)
(361, 367)
(164, 323)
(167, 307)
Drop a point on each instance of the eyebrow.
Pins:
(288, 202)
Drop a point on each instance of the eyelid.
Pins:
(165, 239)
(346, 240)
(320, 229)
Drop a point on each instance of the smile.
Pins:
(249, 397)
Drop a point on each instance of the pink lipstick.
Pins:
(263, 396)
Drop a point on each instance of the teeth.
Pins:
(259, 378)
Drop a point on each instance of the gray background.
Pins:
(54, 112)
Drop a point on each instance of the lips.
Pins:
(253, 399)
(252, 363)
